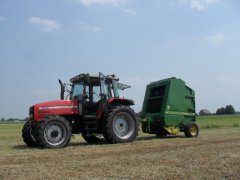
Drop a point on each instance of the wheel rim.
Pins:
(123, 126)
(55, 133)
(193, 131)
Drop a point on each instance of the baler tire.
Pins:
(53, 132)
(28, 136)
(121, 125)
(191, 129)
(92, 139)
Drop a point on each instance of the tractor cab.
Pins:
(92, 90)
(94, 87)
(87, 90)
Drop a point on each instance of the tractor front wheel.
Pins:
(191, 129)
(53, 132)
(28, 135)
(121, 125)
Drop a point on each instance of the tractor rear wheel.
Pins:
(53, 132)
(191, 129)
(28, 135)
(121, 125)
(92, 138)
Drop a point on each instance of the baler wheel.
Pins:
(121, 125)
(53, 132)
(28, 135)
(191, 129)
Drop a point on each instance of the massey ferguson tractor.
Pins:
(92, 107)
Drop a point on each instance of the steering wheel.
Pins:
(86, 95)
(103, 96)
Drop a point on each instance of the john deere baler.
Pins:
(169, 108)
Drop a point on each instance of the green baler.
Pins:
(169, 108)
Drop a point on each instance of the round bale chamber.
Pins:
(168, 107)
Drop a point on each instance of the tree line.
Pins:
(13, 119)
(229, 109)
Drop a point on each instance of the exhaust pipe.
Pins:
(62, 89)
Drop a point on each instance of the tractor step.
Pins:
(91, 122)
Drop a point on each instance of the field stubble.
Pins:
(215, 154)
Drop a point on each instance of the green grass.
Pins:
(206, 122)
(10, 131)
(236, 125)
(12, 122)
(10, 126)
(213, 155)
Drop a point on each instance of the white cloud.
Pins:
(216, 39)
(2, 18)
(198, 4)
(130, 11)
(45, 24)
(89, 28)
(101, 2)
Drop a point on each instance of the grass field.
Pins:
(206, 122)
(215, 154)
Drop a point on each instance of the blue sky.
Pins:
(139, 40)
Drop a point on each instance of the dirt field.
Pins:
(215, 154)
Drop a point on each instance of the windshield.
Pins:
(77, 91)
(96, 93)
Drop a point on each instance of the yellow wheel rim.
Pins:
(193, 131)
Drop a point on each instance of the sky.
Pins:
(140, 41)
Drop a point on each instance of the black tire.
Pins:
(53, 132)
(191, 129)
(92, 138)
(28, 135)
(121, 125)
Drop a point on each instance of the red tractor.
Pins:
(92, 107)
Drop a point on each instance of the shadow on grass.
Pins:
(146, 138)
(75, 144)
(71, 144)
(22, 147)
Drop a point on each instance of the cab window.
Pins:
(77, 91)
(96, 93)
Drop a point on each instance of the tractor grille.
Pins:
(31, 112)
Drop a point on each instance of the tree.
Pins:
(220, 111)
(2, 119)
(227, 110)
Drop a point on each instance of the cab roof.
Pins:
(91, 79)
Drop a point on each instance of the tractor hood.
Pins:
(57, 107)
